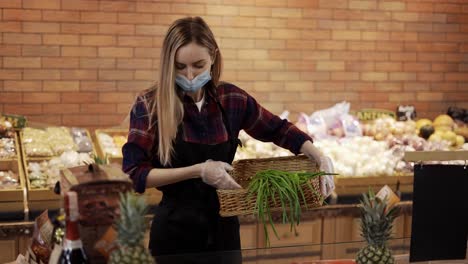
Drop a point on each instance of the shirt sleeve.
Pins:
(265, 126)
(137, 151)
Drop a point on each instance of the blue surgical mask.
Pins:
(195, 84)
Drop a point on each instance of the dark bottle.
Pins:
(73, 251)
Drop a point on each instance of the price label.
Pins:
(16, 121)
(370, 114)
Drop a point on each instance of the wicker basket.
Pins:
(235, 202)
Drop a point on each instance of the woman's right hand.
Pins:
(215, 174)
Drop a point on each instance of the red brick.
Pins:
(315, 76)
(46, 119)
(432, 56)
(388, 66)
(151, 30)
(124, 108)
(360, 66)
(116, 52)
(431, 77)
(10, 50)
(433, 17)
(373, 97)
(453, 57)
(79, 75)
(375, 35)
(316, 96)
(331, 24)
(23, 109)
(403, 56)
(81, 120)
(134, 63)
(98, 40)
(431, 37)
(116, 75)
(240, 43)
(98, 17)
(456, 97)
(374, 56)
(116, 97)
(447, 8)
(403, 36)
(285, 34)
(10, 26)
(80, 5)
(391, 26)
(10, 4)
(111, 120)
(145, 75)
(374, 76)
(134, 41)
(244, 65)
(41, 4)
(41, 74)
(392, 6)
(419, 7)
(152, 7)
(60, 39)
(330, 66)
(286, 12)
(22, 14)
(97, 63)
(60, 62)
(346, 55)
(41, 97)
(195, 9)
(402, 76)
(416, 86)
(345, 76)
(284, 97)
(446, 28)
(117, 6)
(389, 46)
(388, 86)
(102, 86)
(317, 13)
(20, 38)
(375, 15)
(361, 45)
(453, 37)
(76, 28)
(41, 27)
(11, 98)
(284, 76)
(254, 11)
(331, 45)
(346, 35)
(61, 16)
(61, 108)
(135, 86)
(223, 10)
(419, 27)
(23, 86)
(79, 97)
(154, 52)
(402, 97)
(98, 108)
(135, 18)
(315, 34)
(300, 44)
(269, 86)
(444, 67)
(416, 67)
(253, 76)
(429, 96)
(333, 4)
(268, 22)
(285, 54)
(405, 16)
(362, 25)
(117, 29)
(10, 74)
(21, 62)
(61, 86)
(41, 51)
(79, 51)
(362, 5)
(303, 3)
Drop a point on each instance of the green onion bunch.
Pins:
(269, 186)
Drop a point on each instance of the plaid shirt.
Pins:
(206, 127)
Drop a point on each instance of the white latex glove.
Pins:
(327, 182)
(215, 174)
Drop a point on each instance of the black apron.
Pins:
(187, 227)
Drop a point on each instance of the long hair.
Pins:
(166, 108)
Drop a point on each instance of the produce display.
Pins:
(44, 174)
(111, 144)
(253, 149)
(274, 188)
(7, 141)
(8, 180)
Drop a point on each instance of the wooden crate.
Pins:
(14, 200)
(359, 185)
(100, 149)
(40, 199)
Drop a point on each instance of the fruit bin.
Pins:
(14, 199)
(153, 195)
(358, 185)
(43, 198)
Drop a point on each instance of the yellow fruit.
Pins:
(443, 120)
(450, 136)
(422, 122)
(460, 140)
(443, 128)
(435, 137)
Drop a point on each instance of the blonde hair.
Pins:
(166, 109)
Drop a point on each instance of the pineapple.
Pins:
(131, 230)
(376, 228)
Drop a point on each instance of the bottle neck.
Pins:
(72, 231)
(72, 244)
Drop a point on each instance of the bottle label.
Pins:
(72, 244)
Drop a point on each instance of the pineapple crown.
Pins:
(376, 219)
(132, 225)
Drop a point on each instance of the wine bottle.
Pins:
(73, 251)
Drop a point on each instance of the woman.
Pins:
(183, 136)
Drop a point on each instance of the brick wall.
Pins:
(77, 62)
